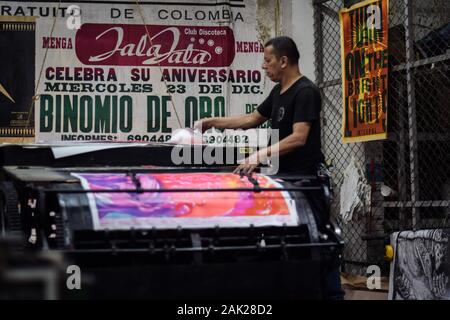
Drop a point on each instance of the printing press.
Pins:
(48, 203)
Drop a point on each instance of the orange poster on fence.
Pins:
(364, 59)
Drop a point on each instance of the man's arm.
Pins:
(297, 139)
(239, 122)
(235, 122)
(308, 110)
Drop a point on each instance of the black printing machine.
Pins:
(45, 207)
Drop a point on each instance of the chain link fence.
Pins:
(414, 161)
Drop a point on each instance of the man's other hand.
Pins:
(249, 164)
(202, 125)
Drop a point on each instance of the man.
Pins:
(294, 108)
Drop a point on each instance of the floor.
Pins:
(351, 294)
(355, 288)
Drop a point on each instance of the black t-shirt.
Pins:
(300, 103)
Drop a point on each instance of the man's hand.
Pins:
(250, 163)
(233, 122)
(202, 125)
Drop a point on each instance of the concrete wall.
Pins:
(302, 31)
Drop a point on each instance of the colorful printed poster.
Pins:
(196, 209)
(364, 59)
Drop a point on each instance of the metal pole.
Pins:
(401, 143)
(412, 121)
(318, 43)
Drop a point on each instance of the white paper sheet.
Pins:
(67, 151)
(355, 192)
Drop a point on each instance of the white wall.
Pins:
(303, 34)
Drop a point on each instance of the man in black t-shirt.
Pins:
(293, 106)
(300, 103)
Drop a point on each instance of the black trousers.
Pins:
(331, 278)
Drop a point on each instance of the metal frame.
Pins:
(413, 136)
(422, 62)
(412, 119)
(406, 137)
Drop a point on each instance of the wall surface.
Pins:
(303, 34)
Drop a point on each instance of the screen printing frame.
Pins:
(49, 186)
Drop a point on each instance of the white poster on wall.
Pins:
(139, 70)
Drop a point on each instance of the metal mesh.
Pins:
(415, 159)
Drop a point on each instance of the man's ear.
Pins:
(284, 62)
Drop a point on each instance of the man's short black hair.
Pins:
(284, 46)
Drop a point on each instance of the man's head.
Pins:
(280, 54)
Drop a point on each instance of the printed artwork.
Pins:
(124, 210)
(421, 267)
(126, 71)
(364, 59)
(17, 43)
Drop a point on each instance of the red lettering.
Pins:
(115, 44)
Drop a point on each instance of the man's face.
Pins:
(273, 66)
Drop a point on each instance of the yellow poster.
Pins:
(364, 59)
